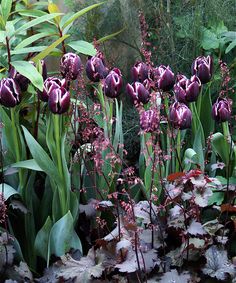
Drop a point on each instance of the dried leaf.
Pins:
(218, 265)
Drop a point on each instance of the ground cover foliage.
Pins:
(73, 206)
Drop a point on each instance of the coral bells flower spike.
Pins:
(70, 66)
(180, 116)
(202, 67)
(187, 90)
(149, 121)
(139, 72)
(9, 92)
(221, 110)
(59, 100)
(50, 84)
(95, 69)
(164, 78)
(138, 93)
(113, 83)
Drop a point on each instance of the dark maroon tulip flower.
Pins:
(164, 78)
(149, 121)
(113, 83)
(70, 66)
(138, 93)
(22, 81)
(139, 72)
(187, 90)
(59, 100)
(203, 67)
(95, 69)
(180, 116)
(50, 84)
(221, 110)
(9, 92)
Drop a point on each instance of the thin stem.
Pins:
(8, 53)
(16, 141)
(63, 42)
(178, 147)
(199, 104)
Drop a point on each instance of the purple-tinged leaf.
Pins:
(218, 265)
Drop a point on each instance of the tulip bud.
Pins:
(221, 110)
(180, 116)
(70, 66)
(138, 93)
(187, 90)
(139, 72)
(21, 80)
(50, 84)
(59, 100)
(202, 67)
(149, 121)
(95, 69)
(113, 83)
(164, 78)
(9, 92)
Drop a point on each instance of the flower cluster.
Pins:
(111, 80)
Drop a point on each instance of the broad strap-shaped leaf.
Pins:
(29, 71)
(41, 244)
(37, 21)
(83, 47)
(41, 157)
(28, 164)
(221, 147)
(49, 49)
(81, 13)
(61, 235)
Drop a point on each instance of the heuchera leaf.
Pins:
(218, 265)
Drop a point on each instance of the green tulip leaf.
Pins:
(83, 47)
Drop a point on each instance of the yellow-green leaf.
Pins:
(53, 8)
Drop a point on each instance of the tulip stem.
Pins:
(178, 147)
(225, 126)
(16, 141)
(199, 104)
(57, 122)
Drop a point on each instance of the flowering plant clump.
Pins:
(71, 201)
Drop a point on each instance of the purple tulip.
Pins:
(187, 90)
(138, 93)
(21, 80)
(113, 83)
(164, 78)
(139, 72)
(50, 84)
(95, 69)
(9, 92)
(180, 116)
(221, 110)
(149, 121)
(59, 100)
(202, 67)
(70, 66)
